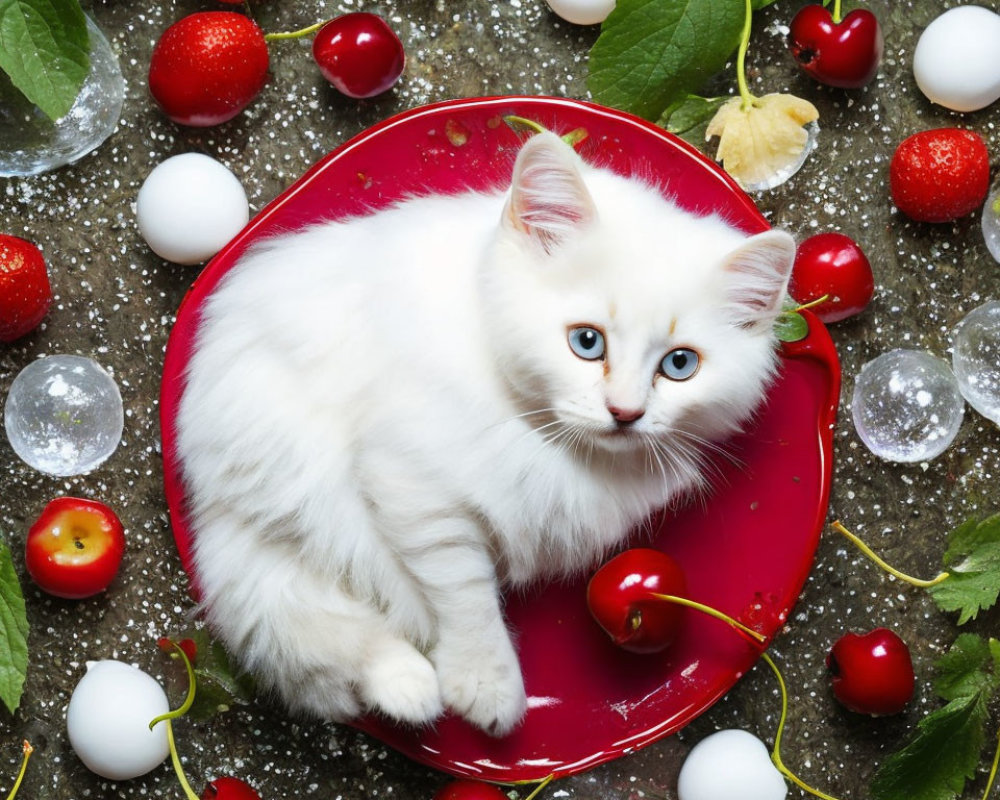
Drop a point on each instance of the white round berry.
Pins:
(108, 720)
(582, 12)
(730, 764)
(189, 207)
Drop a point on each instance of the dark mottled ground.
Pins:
(115, 302)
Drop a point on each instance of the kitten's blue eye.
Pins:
(680, 364)
(588, 343)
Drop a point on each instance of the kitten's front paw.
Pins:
(483, 685)
(400, 682)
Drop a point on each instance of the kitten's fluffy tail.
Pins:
(304, 638)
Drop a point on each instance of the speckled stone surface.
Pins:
(115, 302)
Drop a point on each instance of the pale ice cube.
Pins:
(31, 143)
(907, 406)
(975, 357)
(64, 415)
(991, 223)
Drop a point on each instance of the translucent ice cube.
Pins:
(907, 406)
(991, 223)
(975, 357)
(31, 143)
(64, 415)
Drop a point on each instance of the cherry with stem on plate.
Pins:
(842, 52)
(637, 598)
(833, 267)
(224, 788)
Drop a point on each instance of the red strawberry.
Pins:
(25, 295)
(207, 67)
(940, 175)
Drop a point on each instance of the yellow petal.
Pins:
(763, 145)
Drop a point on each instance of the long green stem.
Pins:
(741, 59)
(176, 760)
(918, 582)
(712, 612)
(274, 37)
(538, 789)
(835, 16)
(192, 686)
(776, 752)
(172, 715)
(27, 750)
(993, 770)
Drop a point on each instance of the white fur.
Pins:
(383, 424)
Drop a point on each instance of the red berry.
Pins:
(469, 790)
(359, 54)
(229, 789)
(189, 647)
(871, 673)
(74, 548)
(207, 67)
(620, 595)
(845, 54)
(940, 175)
(832, 264)
(25, 294)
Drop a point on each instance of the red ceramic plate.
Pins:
(747, 551)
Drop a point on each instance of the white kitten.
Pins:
(388, 418)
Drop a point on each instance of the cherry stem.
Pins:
(712, 612)
(741, 58)
(812, 303)
(27, 750)
(776, 752)
(918, 582)
(175, 759)
(172, 715)
(993, 770)
(274, 37)
(538, 789)
(835, 16)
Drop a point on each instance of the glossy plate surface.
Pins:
(747, 551)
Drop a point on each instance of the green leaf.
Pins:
(653, 52)
(972, 533)
(13, 633)
(45, 49)
(940, 758)
(689, 117)
(968, 668)
(973, 564)
(791, 326)
(220, 684)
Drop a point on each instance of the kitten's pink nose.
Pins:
(625, 416)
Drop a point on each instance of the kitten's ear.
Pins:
(756, 276)
(548, 199)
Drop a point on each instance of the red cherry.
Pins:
(207, 67)
(25, 294)
(359, 54)
(871, 673)
(229, 789)
(832, 264)
(620, 596)
(74, 548)
(845, 54)
(469, 790)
